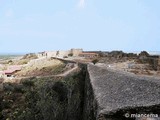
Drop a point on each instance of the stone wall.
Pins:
(155, 62)
(51, 53)
(100, 93)
(40, 54)
(110, 94)
(158, 68)
(76, 52)
(90, 103)
(60, 53)
(63, 53)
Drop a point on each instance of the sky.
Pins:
(38, 25)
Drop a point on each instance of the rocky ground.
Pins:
(136, 68)
(129, 65)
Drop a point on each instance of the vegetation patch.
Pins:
(43, 99)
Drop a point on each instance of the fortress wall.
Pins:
(51, 53)
(60, 53)
(64, 53)
(158, 64)
(111, 94)
(76, 52)
(39, 55)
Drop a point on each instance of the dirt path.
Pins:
(59, 75)
(69, 71)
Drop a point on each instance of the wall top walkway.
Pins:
(115, 90)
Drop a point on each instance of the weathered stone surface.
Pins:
(116, 92)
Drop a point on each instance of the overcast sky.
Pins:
(39, 25)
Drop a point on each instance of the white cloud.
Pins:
(81, 3)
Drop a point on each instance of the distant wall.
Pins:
(76, 52)
(39, 55)
(158, 64)
(51, 53)
(60, 53)
(63, 53)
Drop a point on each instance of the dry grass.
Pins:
(42, 67)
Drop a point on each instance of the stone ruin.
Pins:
(152, 60)
(60, 53)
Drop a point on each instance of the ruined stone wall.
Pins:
(90, 103)
(59, 53)
(39, 55)
(76, 52)
(158, 67)
(51, 53)
(110, 94)
(63, 53)
(154, 63)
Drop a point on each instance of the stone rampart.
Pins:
(110, 94)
